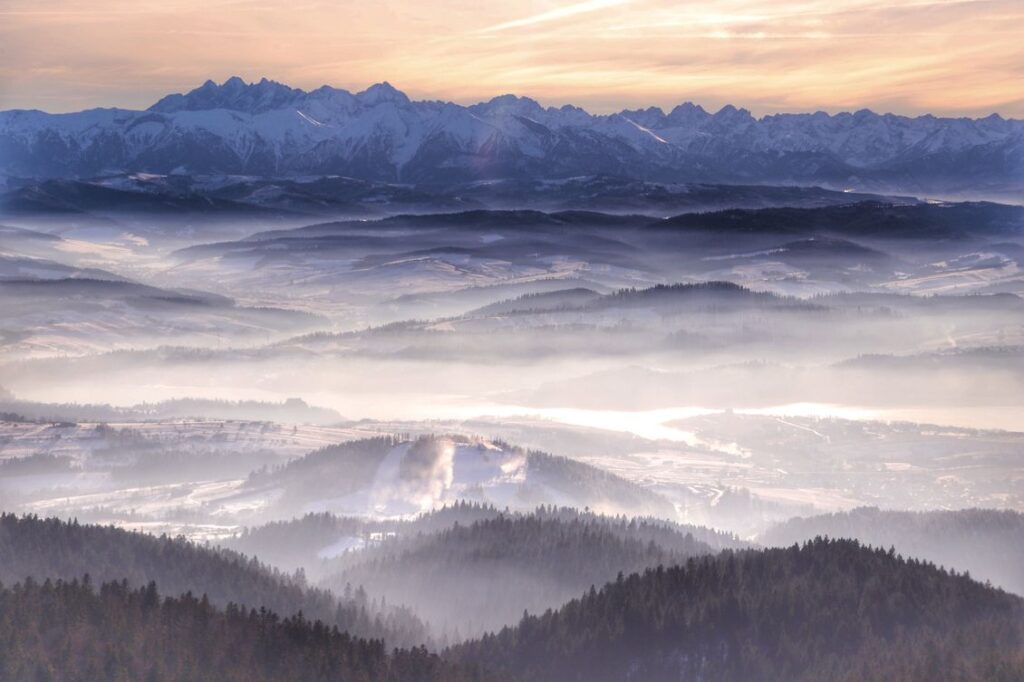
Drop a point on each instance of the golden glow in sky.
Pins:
(946, 57)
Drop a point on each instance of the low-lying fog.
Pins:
(741, 366)
(423, 405)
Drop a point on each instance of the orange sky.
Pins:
(947, 57)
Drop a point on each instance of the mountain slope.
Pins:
(868, 219)
(467, 580)
(391, 476)
(59, 310)
(314, 541)
(49, 548)
(270, 129)
(830, 610)
(987, 543)
(71, 632)
(123, 197)
(309, 542)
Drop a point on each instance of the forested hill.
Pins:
(312, 541)
(50, 548)
(71, 632)
(988, 543)
(829, 610)
(469, 579)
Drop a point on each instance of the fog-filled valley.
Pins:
(577, 426)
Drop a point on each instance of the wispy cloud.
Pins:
(911, 56)
(555, 14)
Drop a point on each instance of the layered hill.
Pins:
(470, 579)
(829, 610)
(987, 543)
(70, 630)
(49, 310)
(41, 549)
(324, 542)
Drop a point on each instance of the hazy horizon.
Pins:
(545, 102)
(604, 55)
(474, 366)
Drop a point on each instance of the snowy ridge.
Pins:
(270, 129)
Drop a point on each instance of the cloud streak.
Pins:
(555, 14)
(767, 55)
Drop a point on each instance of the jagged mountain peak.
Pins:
(687, 113)
(382, 92)
(236, 84)
(688, 107)
(233, 94)
(508, 104)
(649, 111)
(268, 128)
(734, 115)
(864, 114)
(509, 98)
(650, 118)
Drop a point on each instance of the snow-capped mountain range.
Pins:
(269, 129)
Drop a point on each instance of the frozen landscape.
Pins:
(414, 368)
